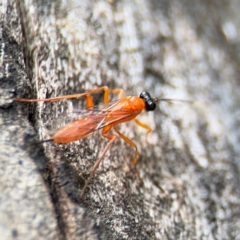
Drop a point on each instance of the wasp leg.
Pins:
(131, 143)
(112, 138)
(145, 126)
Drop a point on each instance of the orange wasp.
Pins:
(112, 114)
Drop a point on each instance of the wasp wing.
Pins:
(111, 114)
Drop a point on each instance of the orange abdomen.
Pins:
(75, 130)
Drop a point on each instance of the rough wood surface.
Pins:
(190, 171)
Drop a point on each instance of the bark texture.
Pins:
(190, 169)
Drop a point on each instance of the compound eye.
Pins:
(150, 106)
(144, 95)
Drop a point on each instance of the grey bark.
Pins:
(190, 169)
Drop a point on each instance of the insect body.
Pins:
(123, 110)
(110, 116)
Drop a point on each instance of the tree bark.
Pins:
(189, 186)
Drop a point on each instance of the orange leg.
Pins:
(131, 143)
(106, 90)
(53, 99)
(143, 125)
(88, 96)
(119, 91)
(112, 138)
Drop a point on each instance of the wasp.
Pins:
(125, 109)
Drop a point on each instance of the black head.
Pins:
(150, 104)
